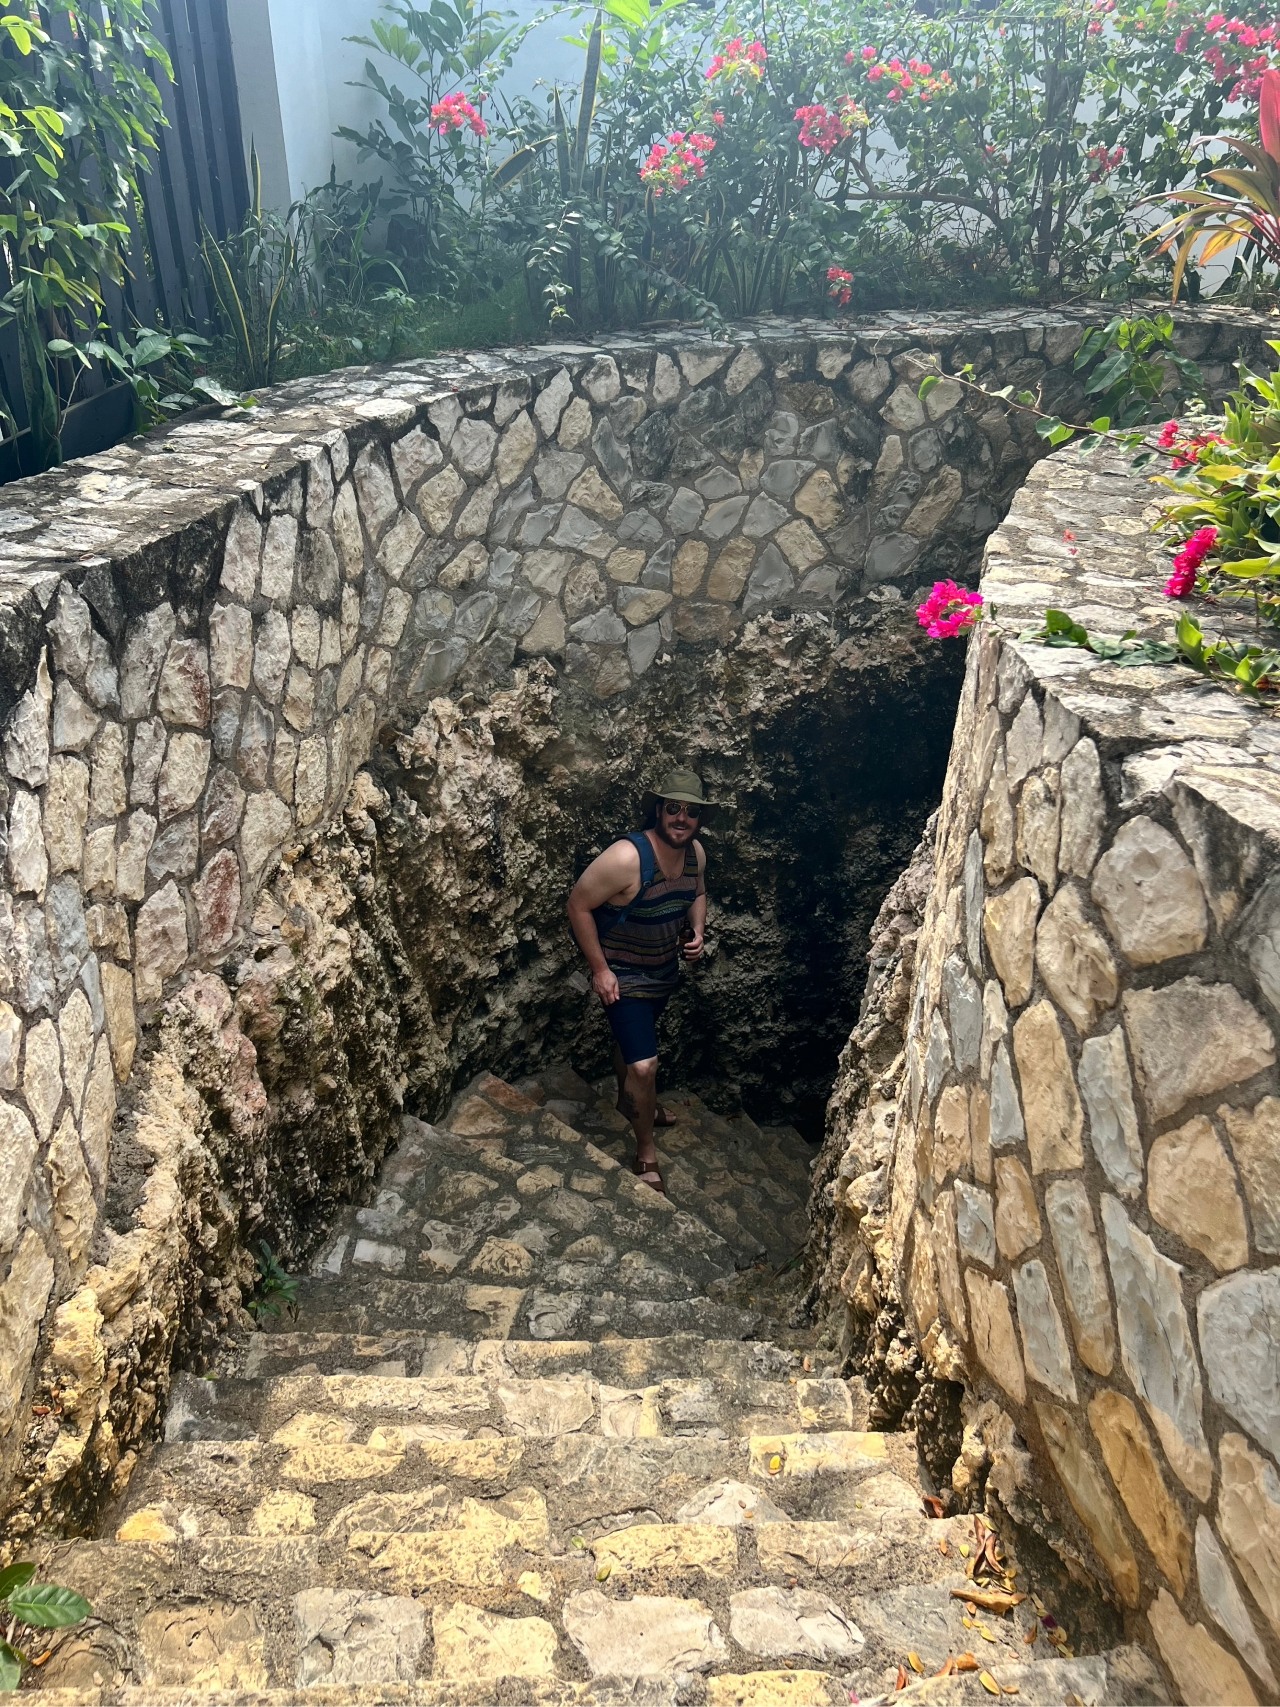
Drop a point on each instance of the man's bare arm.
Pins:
(613, 876)
(698, 909)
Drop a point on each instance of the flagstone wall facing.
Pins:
(1084, 1208)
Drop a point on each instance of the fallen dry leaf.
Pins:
(988, 1683)
(1032, 1635)
(775, 1464)
(987, 1635)
(947, 1667)
(966, 1662)
(933, 1505)
(1011, 1689)
(964, 1550)
(915, 1662)
(989, 1599)
(902, 1678)
(944, 1547)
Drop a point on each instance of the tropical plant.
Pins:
(257, 275)
(432, 141)
(277, 1290)
(24, 1602)
(1247, 216)
(78, 114)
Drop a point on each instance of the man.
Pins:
(634, 911)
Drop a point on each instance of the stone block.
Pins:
(780, 1623)
(1226, 1605)
(28, 1274)
(10, 1047)
(345, 1636)
(1192, 1039)
(975, 1224)
(1009, 926)
(1050, 1105)
(1191, 1190)
(646, 1636)
(1149, 894)
(1017, 1218)
(160, 941)
(668, 1549)
(1202, 1669)
(1007, 1126)
(1074, 960)
(1249, 1520)
(1044, 1339)
(42, 1076)
(1084, 809)
(1135, 1470)
(1084, 1277)
(28, 857)
(213, 1646)
(772, 1689)
(994, 1340)
(1085, 1488)
(1107, 1089)
(1254, 1136)
(1239, 1321)
(1156, 1348)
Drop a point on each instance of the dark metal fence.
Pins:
(198, 177)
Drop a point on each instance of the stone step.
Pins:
(643, 1600)
(367, 1304)
(620, 1362)
(587, 1484)
(427, 1692)
(483, 1405)
(1123, 1676)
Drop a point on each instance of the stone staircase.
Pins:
(539, 1437)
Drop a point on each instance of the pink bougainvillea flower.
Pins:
(456, 112)
(840, 286)
(677, 162)
(738, 61)
(825, 129)
(1188, 561)
(949, 610)
(1269, 112)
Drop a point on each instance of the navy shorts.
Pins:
(634, 1024)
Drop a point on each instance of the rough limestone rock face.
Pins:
(1049, 1172)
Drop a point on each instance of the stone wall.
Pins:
(1075, 1192)
(205, 634)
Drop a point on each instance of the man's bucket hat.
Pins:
(681, 785)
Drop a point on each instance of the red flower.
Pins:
(1188, 561)
(948, 610)
(839, 286)
(456, 112)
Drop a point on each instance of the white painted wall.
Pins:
(297, 75)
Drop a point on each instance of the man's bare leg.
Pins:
(639, 1102)
(660, 1115)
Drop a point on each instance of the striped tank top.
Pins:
(643, 951)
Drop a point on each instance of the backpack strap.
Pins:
(648, 871)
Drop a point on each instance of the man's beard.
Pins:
(663, 833)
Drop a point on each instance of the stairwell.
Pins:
(540, 1436)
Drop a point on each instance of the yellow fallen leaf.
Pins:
(602, 1573)
(775, 1464)
(967, 1622)
(988, 1683)
(1039, 1605)
(914, 1661)
(987, 1635)
(1011, 1689)
(964, 1550)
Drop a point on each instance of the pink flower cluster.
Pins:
(826, 128)
(916, 77)
(736, 60)
(679, 161)
(1183, 580)
(1232, 51)
(840, 286)
(1184, 448)
(1102, 161)
(948, 610)
(456, 112)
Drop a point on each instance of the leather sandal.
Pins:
(647, 1173)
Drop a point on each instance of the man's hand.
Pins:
(693, 947)
(605, 985)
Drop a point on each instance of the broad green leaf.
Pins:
(11, 1663)
(927, 384)
(14, 1576)
(46, 1606)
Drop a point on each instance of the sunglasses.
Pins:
(673, 809)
